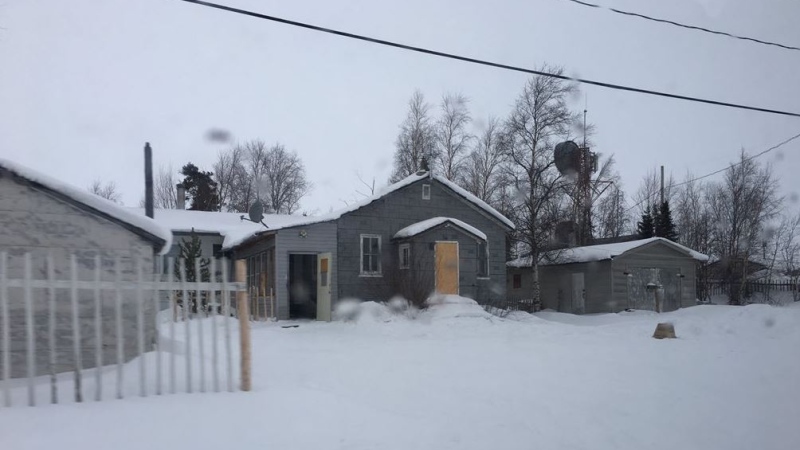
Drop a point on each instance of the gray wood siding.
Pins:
(654, 256)
(397, 210)
(556, 284)
(320, 238)
(33, 220)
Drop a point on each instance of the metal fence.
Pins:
(78, 324)
(755, 291)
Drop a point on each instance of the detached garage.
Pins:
(611, 277)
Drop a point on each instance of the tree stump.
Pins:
(664, 330)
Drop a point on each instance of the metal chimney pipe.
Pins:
(148, 180)
(180, 201)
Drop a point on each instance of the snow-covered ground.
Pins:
(455, 377)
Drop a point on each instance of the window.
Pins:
(217, 251)
(405, 256)
(260, 273)
(426, 191)
(517, 283)
(482, 256)
(370, 255)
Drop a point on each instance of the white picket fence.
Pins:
(93, 323)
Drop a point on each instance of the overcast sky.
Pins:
(84, 83)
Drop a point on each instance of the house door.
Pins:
(578, 294)
(324, 266)
(446, 255)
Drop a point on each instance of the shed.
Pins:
(42, 216)
(610, 277)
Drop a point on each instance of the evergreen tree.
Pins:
(646, 226)
(664, 226)
(201, 187)
(191, 251)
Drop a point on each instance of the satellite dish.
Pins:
(567, 157)
(256, 212)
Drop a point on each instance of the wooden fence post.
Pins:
(244, 325)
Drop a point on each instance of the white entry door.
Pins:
(324, 269)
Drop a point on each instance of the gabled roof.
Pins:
(140, 224)
(425, 225)
(234, 239)
(603, 252)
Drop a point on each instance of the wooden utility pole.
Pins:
(662, 186)
(242, 308)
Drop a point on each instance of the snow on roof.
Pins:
(425, 225)
(234, 239)
(599, 253)
(92, 201)
(226, 224)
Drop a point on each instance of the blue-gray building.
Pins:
(418, 236)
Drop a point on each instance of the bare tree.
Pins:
(236, 191)
(740, 206)
(282, 179)
(164, 192)
(693, 216)
(417, 139)
(452, 136)
(108, 190)
(610, 218)
(539, 117)
(649, 192)
(789, 251)
(483, 175)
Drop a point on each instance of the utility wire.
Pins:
(488, 63)
(683, 25)
(749, 158)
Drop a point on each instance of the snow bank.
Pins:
(449, 307)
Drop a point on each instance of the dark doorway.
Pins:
(302, 286)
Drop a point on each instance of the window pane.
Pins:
(365, 263)
(375, 246)
(365, 245)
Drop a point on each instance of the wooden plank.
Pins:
(5, 338)
(76, 329)
(244, 328)
(172, 300)
(118, 326)
(140, 329)
(447, 270)
(199, 302)
(226, 310)
(29, 333)
(51, 329)
(213, 304)
(187, 328)
(156, 324)
(98, 331)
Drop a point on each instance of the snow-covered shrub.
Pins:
(347, 310)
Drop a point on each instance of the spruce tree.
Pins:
(201, 187)
(664, 226)
(191, 251)
(646, 227)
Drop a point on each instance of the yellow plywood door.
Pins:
(447, 268)
(324, 266)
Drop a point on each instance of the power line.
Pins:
(690, 27)
(749, 158)
(487, 63)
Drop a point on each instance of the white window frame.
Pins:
(426, 191)
(400, 256)
(361, 259)
(478, 263)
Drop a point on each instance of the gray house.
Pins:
(42, 216)
(610, 277)
(420, 235)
